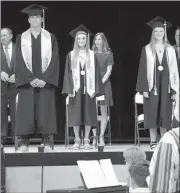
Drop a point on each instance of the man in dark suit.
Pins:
(8, 89)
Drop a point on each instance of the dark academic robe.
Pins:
(81, 108)
(36, 111)
(8, 92)
(157, 108)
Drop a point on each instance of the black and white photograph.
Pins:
(90, 96)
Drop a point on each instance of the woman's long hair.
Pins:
(76, 50)
(106, 47)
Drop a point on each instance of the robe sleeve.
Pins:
(142, 82)
(99, 87)
(51, 75)
(23, 75)
(68, 81)
(162, 169)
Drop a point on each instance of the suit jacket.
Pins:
(7, 69)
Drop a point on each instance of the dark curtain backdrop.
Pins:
(124, 24)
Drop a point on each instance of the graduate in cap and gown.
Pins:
(37, 76)
(177, 46)
(82, 83)
(158, 80)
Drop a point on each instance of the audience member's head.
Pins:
(6, 36)
(133, 155)
(138, 173)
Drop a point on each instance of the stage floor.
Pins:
(62, 148)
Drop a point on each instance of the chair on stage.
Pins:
(68, 135)
(107, 133)
(17, 139)
(139, 119)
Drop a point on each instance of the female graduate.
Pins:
(158, 80)
(106, 62)
(82, 83)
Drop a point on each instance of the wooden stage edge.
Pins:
(62, 156)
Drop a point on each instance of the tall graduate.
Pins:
(158, 80)
(82, 83)
(37, 76)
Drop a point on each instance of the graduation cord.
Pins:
(169, 90)
(155, 86)
(85, 83)
(83, 69)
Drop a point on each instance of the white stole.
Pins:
(90, 74)
(46, 49)
(172, 64)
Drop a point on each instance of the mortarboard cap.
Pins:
(158, 22)
(34, 9)
(80, 28)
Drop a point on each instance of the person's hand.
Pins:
(4, 76)
(92, 96)
(173, 97)
(103, 80)
(146, 94)
(41, 84)
(72, 95)
(35, 82)
(12, 79)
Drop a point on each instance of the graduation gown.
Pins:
(157, 108)
(82, 108)
(36, 110)
(8, 92)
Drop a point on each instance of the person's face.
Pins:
(177, 37)
(98, 41)
(159, 33)
(81, 39)
(6, 37)
(35, 20)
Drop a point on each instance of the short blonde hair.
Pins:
(134, 154)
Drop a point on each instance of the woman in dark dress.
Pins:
(158, 80)
(82, 83)
(106, 62)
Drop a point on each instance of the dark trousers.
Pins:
(8, 98)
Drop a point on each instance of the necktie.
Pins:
(7, 55)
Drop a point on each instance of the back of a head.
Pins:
(134, 154)
(139, 172)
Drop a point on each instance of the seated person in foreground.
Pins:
(131, 156)
(134, 154)
(138, 173)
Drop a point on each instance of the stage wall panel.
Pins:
(28, 179)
